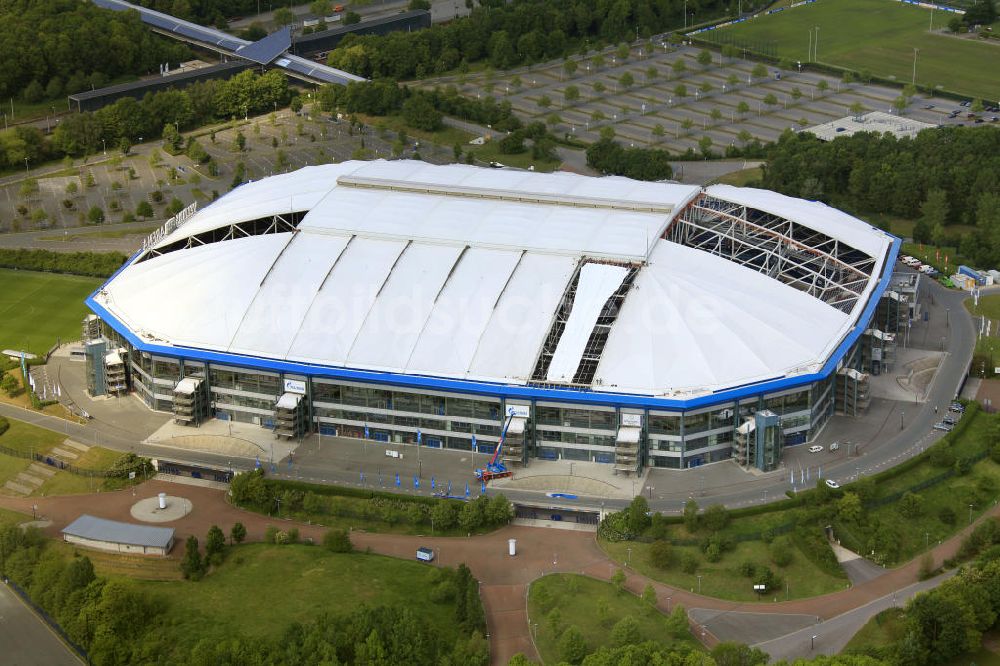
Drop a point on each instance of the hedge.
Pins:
(4, 425)
(90, 264)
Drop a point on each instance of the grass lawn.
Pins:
(38, 308)
(136, 567)
(878, 36)
(7, 517)
(880, 631)
(490, 152)
(28, 438)
(592, 606)
(9, 468)
(723, 579)
(741, 178)
(989, 306)
(260, 589)
(110, 233)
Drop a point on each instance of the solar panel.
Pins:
(266, 50)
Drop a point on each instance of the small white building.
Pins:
(878, 122)
(113, 536)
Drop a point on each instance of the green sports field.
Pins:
(37, 308)
(878, 36)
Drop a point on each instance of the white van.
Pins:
(425, 554)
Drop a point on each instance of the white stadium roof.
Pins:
(474, 274)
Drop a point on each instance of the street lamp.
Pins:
(915, 51)
(699, 583)
(970, 513)
(812, 642)
(901, 415)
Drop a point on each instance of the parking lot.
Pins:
(668, 99)
(117, 184)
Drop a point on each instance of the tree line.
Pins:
(508, 33)
(60, 47)
(128, 120)
(942, 178)
(252, 490)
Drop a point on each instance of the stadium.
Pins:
(596, 319)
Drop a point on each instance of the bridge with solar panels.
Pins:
(271, 51)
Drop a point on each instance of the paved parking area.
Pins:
(674, 102)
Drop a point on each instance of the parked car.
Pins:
(830, 483)
(941, 425)
(425, 554)
(956, 407)
(816, 448)
(835, 446)
(949, 419)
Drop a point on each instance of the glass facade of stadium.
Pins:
(551, 430)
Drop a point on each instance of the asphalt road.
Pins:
(25, 639)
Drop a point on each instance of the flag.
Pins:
(420, 437)
(433, 483)
(449, 487)
(366, 431)
(362, 477)
(416, 481)
(257, 464)
(473, 443)
(482, 488)
(397, 479)
(466, 490)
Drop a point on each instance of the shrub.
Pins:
(781, 551)
(748, 569)
(625, 632)
(715, 518)
(337, 541)
(271, 534)
(4, 423)
(572, 646)
(689, 563)
(947, 515)
(713, 553)
(661, 554)
(238, 533)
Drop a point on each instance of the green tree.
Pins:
(759, 71)
(570, 67)
(659, 131)
(623, 51)
(144, 209)
(678, 67)
(572, 646)
(681, 90)
(638, 520)
(939, 627)
(857, 109)
(822, 86)
(618, 579)
(649, 596)
(499, 511)
(626, 632)
(192, 565)
(240, 141)
(743, 108)
(284, 16)
(977, 106)
(704, 57)
(911, 505)
(770, 99)
(95, 215)
(796, 93)
(691, 518)
(737, 654)
(238, 533)
(571, 93)
(626, 80)
(545, 101)
(598, 87)
(899, 104)
(651, 73)
(716, 115)
(215, 544)
(849, 507)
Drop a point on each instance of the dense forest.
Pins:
(514, 32)
(60, 47)
(946, 177)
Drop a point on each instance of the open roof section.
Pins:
(223, 42)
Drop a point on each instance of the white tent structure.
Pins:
(507, 277)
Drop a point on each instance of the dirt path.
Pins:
(504, 579)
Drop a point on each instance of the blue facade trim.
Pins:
(508, 391)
